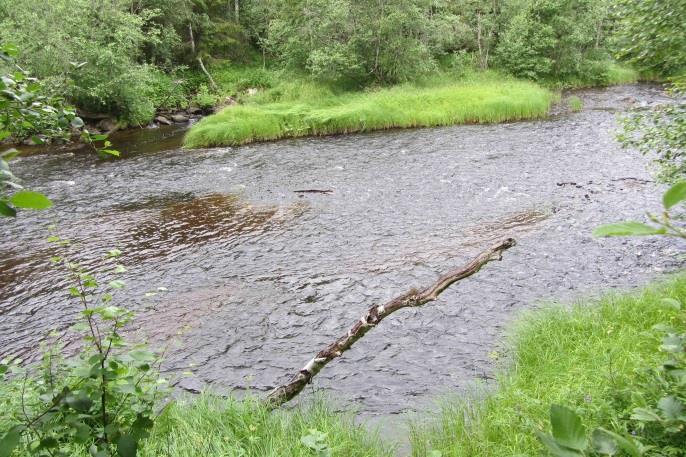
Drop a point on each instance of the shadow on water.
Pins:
(147, 230)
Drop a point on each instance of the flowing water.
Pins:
(258, 277)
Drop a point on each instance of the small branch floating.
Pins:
(314, 191)
(376, 314)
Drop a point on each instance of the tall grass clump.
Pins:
(488, 100)
(575, 103)
(620, 74)
(212, 426)
(589, 357)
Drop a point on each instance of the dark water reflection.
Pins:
(258, 277)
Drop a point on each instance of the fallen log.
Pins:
(376, 314)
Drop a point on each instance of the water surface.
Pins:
(258, 277)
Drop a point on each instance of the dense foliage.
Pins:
(660, 132)
(102, 399)
(556, 40)
(128, 58)
(650, 35)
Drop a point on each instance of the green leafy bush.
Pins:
(90, 52)
(661, 133)
(553, 40)
(102, 399)
(25, 111)
(650, 35)
(656, 426)
(204, 98)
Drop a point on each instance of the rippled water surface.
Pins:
(259, 277)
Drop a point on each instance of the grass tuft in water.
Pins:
(312, 110)
(575, 104)
(581, 357)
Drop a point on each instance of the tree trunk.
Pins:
(376, 314)
(190, 36)
(207, 73)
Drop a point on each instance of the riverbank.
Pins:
(269, 105)
(312, 110)
(594, 358)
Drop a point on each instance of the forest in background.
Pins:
(129, 59)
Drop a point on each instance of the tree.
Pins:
(650, 35)
(551, 39)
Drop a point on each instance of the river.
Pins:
(256, 278)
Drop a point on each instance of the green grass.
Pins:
(587, 357)
(307, 109)
(210, 426)
(575, 103)
(620, 74)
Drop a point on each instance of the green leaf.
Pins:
(676, 194)
(10, 153)
(142, 355)
(626, 444)
(81, 432)
(127, 446)
(94, 452)
(555, 448)
(110, 152)
(603, 443)
(7, 210)
(645, 415)
(79, 402)
(48, 443)
(671, 407)
(671, 303)
(116, 284)
(10, 441)
(567, 428)
(30, 200)
(629, 228)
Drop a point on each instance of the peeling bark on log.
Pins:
(376, 314)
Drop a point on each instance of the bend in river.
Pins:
(258, 277)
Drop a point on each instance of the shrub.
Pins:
(553, 39)
(101, 399)
(650, 35)
(661, 133)
(92, 57)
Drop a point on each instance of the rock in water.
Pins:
(162, 120)
(179, 118)
(107, 125)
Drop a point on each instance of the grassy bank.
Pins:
(590, 358)
(210, 426)
(308, 109)
(213, 426)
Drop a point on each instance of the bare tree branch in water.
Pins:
(376, 314)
